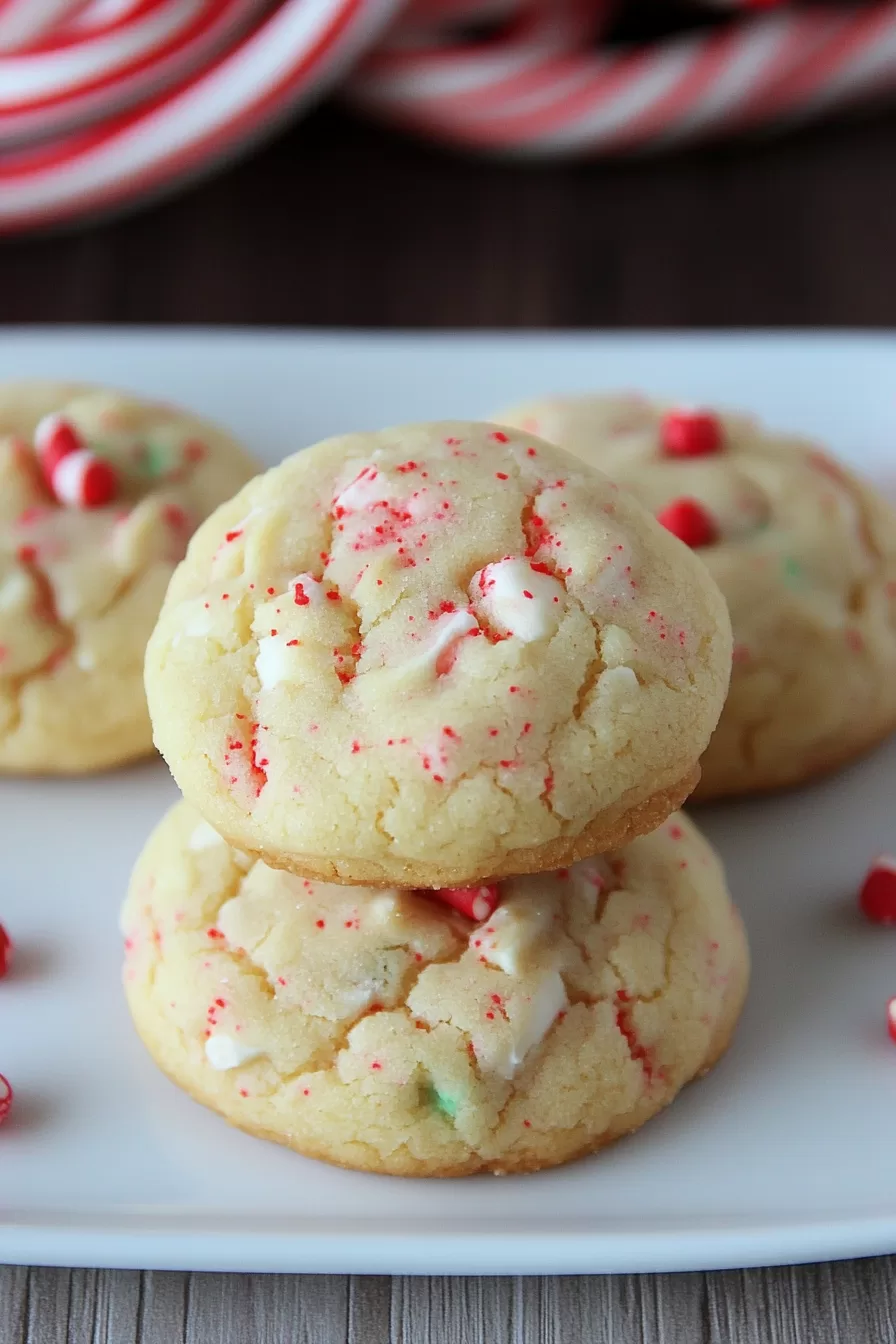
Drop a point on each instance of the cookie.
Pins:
(805, 555)
(99, 493)
(378, 1029)
(435, 655)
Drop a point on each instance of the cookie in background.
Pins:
(99, 495)
(804, 553)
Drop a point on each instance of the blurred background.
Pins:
(523, 163)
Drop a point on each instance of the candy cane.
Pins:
(477, 903)
(25, 21)
(95, 71)
(5, 951)
(293, 53)
(753, 71)
(104, 100)
(6, 1096)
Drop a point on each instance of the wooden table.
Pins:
(341, 225)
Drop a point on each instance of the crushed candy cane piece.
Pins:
(475, 902)
(690, 434)
(690, 522)
(877, 897)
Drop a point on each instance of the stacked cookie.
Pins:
(432, 696)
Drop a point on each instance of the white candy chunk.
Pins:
(85, 659)
(361, 995)
(617, 646)
(16, 591)
(530, 1019)
(198, 619)
(223, 1052)
(619, 680)
(204, 837)
(589, 879)
(382, 908)
(518, 599)
(366, 488)
(448, 630)
(513, 930)
(306, 586)
(274, 662)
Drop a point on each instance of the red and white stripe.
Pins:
(90, 72)
(105, 101)
(557, 99)
(26, 21)
(293, 53)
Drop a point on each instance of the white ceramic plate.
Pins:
(784, 1153)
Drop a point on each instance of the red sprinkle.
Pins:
(891, 1021)
(6, 1095)
(690, 434)
(5, 951)
(690, 522)
(877, 898)
(477, 903)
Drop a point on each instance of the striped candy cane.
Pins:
(96, 66)
(553, 98)
(103, 101)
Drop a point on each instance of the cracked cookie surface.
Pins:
(380, 1030)
(81, 588)
(432, 656)
(805, 555)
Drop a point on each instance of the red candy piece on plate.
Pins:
(5, 951)
(690, 522)
(475, 902)
(55, 438)
(891, 1018)
(5, 1098)
(877, 898)
(84, 480)
(690, 434)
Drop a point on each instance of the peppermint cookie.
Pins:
(805, 555)
(379, 1029)
(99, 494)
(435, 655)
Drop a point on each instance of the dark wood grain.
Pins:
(848, 1303)
(339, 223)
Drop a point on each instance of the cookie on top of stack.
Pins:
(433, 696)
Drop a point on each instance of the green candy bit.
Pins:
(793, 570)
(156, 461)
(444, 1104)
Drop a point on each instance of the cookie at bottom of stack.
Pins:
(383, 1031)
